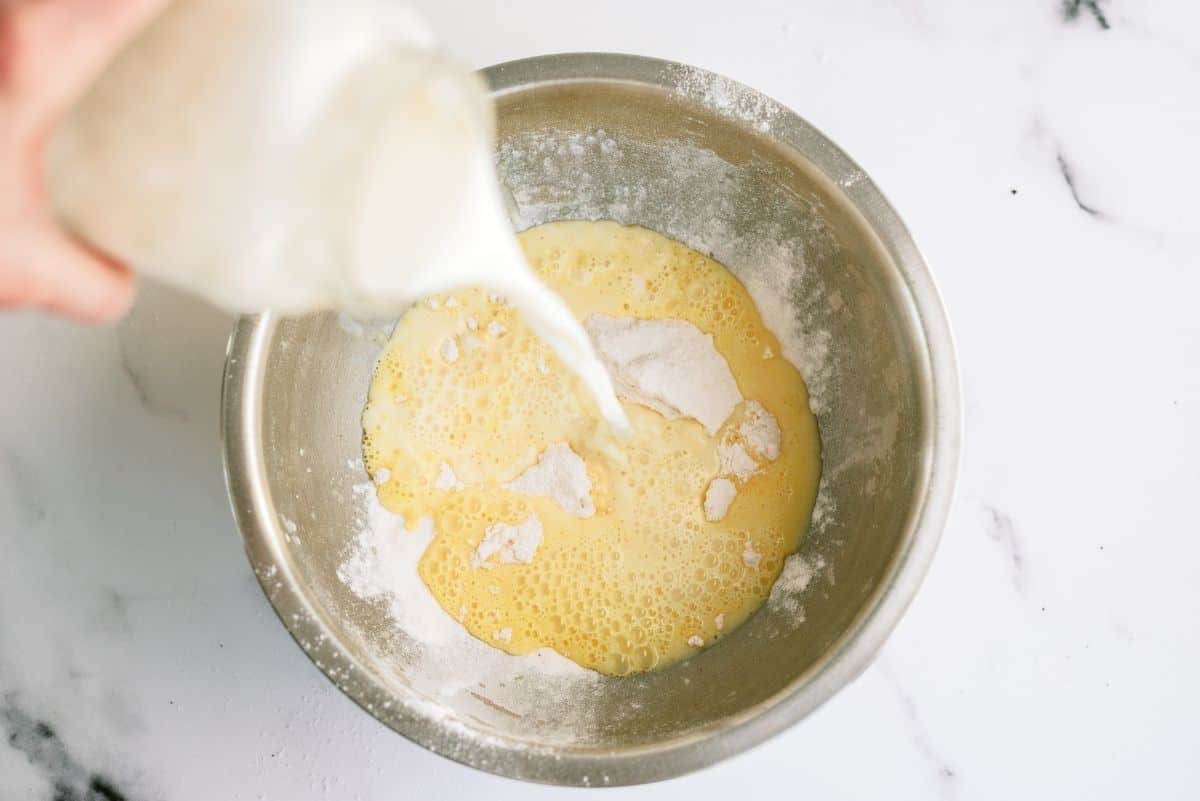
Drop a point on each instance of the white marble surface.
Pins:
(1046, 162)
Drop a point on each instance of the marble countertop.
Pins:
(1043, 154)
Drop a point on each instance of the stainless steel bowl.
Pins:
(729, 172)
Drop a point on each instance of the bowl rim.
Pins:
(846, 658)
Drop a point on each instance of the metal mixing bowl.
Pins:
(731, 173)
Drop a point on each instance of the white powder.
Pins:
(383, 564)
(449, 350)
(724, 96)
(797, 574)
(670, 366)
(382, 475)
(509, 544)
(451, 302)
(760, 430)
(719, 621)
(695, 641)
(472, 324)
(504, 634)
(496, 328)
(717, 498)
(446, 479)
(561, 476)
(736, 461)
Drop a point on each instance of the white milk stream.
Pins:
(298, 155)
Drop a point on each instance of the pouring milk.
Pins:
(298, 155)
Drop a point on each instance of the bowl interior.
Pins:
(726, 172)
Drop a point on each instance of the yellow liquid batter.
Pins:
(465, 399)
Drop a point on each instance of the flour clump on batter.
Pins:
(510, 544)
(670, 366)
(561, 476)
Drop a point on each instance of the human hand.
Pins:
(50, 51)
